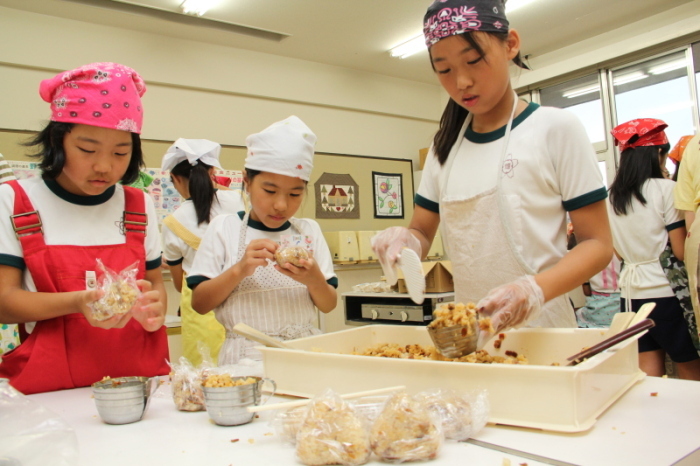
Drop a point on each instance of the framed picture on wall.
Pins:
(388, 195)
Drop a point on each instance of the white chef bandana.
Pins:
(285, 148)
(192, 150)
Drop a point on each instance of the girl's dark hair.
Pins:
(202, 191)
(49, 144)
(454, 115)
(250, 174)
(637, 165)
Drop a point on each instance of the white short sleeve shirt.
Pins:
(72, 220)
(219, 248)
(175, 250)
(642, 234)
(550, 168)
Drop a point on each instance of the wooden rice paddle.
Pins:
(257, 335)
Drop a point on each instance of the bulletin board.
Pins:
(359, 168)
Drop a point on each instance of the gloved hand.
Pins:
(510, 305)
(387, 245)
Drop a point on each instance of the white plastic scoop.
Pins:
(410, 265)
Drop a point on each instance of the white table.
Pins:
(639, 429)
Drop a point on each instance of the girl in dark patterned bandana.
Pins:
(500, 178)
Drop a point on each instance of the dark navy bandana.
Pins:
(446, 18)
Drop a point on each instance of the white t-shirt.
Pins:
(642, 235)
(74, 220)
(175, 250)
(550, 168)
(607, 280)
(218, 250)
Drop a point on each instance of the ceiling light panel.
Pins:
(628, 78)
(666, 67)
(175, 16)
(197, 7)
(408, 48)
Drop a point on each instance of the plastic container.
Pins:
(538, 395)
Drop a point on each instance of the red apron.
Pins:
(67, 352)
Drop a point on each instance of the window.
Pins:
(526, 96)
(603, 167)
(582, 98)
(657, 88)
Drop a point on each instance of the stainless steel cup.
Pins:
(227, 405)
(122, 400)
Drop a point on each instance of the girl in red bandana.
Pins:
(500, 178)
(54, 227)
(644, 223)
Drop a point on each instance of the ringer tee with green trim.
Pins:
(72, 220)
(175, 250)
(550, 169)
(218, 250)
(642, 234)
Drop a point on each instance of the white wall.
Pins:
(200, 90)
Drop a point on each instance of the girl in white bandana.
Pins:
(234, 271)
(191, 164)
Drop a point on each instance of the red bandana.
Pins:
(639, 133)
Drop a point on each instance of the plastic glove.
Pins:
(388, 244)
(510, 305)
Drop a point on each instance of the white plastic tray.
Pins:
(538, 395)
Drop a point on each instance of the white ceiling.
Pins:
(353, 34)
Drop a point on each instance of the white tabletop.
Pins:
(639, 429)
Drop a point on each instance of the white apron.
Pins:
(480, 242)
(268, 301)
(632, 275)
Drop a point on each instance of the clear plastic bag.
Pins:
(373, 287)
(332, 432)
(187, 386)
(120, 291)
(292, 249)
(462, 414)
(31, 434)
(406, 430)
(287, 423)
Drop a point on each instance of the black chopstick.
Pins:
(609, 342)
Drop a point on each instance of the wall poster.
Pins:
(337, 196)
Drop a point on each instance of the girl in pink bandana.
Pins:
(649, 237)
(500, 178)
(55, 227)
